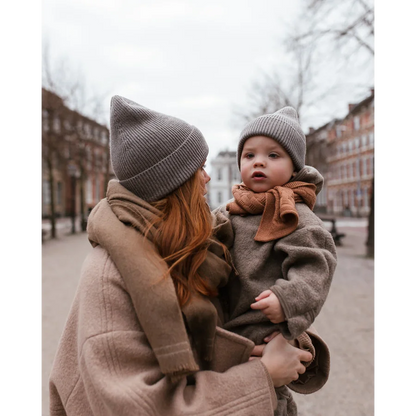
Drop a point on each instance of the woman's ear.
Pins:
(294, 174)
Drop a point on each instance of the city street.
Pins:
(346, 321)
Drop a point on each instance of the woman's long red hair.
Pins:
(182, 236)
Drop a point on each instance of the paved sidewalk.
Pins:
(345, 322)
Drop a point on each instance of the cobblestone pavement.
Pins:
(345, 322)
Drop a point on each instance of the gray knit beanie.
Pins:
(152, 154)
(282, 126)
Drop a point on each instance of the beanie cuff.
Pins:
(279, 130)
(192, 153)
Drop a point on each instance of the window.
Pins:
(338, 131)
(236, 175)
(219, 197)
(364, 162)
(357, 142)
(369, 167)
(357, 123)
(371, 138)
(363, 140)
(56, 125)
(219, 174)
(350, 145)
(89, 191)
(46, 192)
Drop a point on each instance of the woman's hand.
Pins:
(282, 360)
(258, 349)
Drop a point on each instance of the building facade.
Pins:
(224, 174)
(316, 156)
(75, 160)
(343, 151)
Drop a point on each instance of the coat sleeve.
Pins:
(308, 267)
(122, 377)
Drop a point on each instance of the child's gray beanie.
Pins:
(152, 154)
(282, 126)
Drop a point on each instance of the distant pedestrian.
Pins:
(283, 255)
(135, 342)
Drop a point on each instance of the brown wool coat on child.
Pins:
(297, 268)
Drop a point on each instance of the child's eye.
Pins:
(273, 155)
(249, 155)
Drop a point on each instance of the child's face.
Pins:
(265, 164)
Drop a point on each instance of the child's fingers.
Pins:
(261, 304)
(264, 294)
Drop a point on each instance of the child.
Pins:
(283, 256)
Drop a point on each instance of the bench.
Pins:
(334, 232)
(42, 234)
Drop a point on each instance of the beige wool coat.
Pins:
(105, 364)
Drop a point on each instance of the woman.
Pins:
(139, 338)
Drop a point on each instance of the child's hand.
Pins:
(269, 304)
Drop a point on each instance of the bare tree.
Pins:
(345, 24)
(52, 147)
(326, 32)
(75, 101)
(271, 91)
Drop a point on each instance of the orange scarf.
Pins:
(280, 217)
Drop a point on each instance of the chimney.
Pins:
(350, 107)
(311, 130)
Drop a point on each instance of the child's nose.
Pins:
(259, 161)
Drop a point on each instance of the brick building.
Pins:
(343, 151)
(75, 159)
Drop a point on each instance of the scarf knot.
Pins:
(277, 206)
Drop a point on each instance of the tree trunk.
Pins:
(52, 196)
(82, 199)
(370, 230)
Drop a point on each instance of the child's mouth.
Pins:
(258, 176)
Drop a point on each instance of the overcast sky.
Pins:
(191, 59)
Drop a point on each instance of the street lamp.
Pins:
(73, 174)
